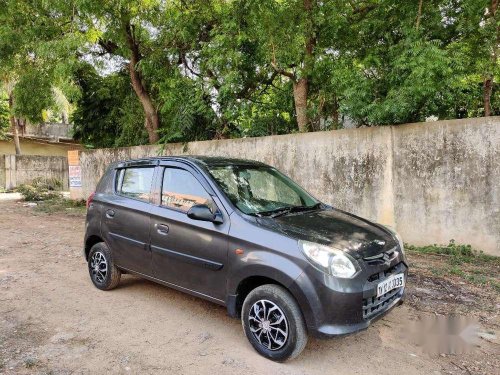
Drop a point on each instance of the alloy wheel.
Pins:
(98, 267)
(268, 324)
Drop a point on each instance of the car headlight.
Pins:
(397, 237)
(328, 260)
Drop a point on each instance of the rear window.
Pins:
(135, 183)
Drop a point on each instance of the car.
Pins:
(243, 235)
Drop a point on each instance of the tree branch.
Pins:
(281, 71)
(109, 46)
(252, 85)
(419, 13)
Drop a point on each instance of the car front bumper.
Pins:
(334, 307)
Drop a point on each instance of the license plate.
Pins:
(392, 282)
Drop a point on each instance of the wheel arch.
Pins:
(89, 242)
(250, 281)
(246, 286)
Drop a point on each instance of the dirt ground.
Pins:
(53, 321)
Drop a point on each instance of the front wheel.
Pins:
(103, 272)
(273, 323)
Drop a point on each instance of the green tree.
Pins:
(413, 60)
(4, 114)
(108, 113)
(37, 43)
(478, 26)
(127, 31)
(203, 69)
(232, 82)
(288, 35)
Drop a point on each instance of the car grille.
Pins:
(397, 268)
(373, 306)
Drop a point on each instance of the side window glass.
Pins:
(119, 179)
(136, 183)
(181, 190)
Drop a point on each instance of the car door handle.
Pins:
(162, 229)
(110, 214)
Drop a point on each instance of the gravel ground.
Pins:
(53, 321)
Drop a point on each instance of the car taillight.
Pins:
(90, 199)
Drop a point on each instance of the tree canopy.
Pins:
(147, 71)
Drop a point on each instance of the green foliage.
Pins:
(33, 95)
(186, 113)
(4, 114)
(457, 253)
(38, 44)
(62, 205)
(41, 189)
(400, 74)
(222, 69)
(107, 113)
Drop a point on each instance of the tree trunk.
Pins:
(487, 89)
(335, 113)
(419, 13)
(151, 117)
(15, 132)
(301, 85)
(21, 125)
(13, 125)
(488, 80)
(300, 98)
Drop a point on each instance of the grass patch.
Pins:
(471, 265)
(59, 204)
(30, 362)
(458, 254)
(438, 271)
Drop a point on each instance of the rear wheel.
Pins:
(273, 323)
(103, 272)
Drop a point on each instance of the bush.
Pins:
(41, 189)
(50, 184)
(457, 253)
(62, 205)
(451, 249)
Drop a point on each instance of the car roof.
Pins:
(207, 161)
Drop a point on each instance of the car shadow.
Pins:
(172, 301)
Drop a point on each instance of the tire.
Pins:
(106, 275)
(277, 302)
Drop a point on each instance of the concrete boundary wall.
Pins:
(16, 170)
(433, 181)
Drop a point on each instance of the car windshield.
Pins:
(261, 190)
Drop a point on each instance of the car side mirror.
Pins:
(204, 213)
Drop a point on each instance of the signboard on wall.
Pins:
(73, 157)
(75, 176)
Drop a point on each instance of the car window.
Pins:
(268, 187)
(136, 183)
(181, 190)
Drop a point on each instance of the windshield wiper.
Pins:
(289, 209)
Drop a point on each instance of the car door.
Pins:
(126, 218)
(188, 253)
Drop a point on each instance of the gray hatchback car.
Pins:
(243, 235)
